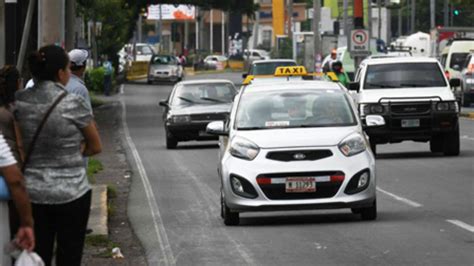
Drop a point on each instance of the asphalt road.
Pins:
(425, 205)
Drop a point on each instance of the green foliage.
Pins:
(285, 51)
(94, 79)
(94, 166)
(111, 192)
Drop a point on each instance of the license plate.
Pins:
(300, 184)
(406, 123)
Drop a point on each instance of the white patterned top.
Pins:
(6, 157)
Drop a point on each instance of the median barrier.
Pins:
(137, 70)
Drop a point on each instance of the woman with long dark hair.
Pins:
(58, 130)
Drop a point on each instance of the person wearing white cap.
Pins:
(76, 85)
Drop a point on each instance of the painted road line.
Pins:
(402, 199)
(121, 89)
(463, 225)
(467, 137)
(160, 231)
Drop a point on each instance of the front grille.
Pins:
(410, 108)
(323, 189)
(300, 155)
(208, 117)
(162, 73)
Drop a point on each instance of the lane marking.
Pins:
(463, 225)
(402, 199)
(160, 231)
(121, 88)
(467, 137)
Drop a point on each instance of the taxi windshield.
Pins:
(213, 93)
(164, 60)
(268, 68)
(292, 109)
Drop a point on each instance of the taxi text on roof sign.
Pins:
(290, 71)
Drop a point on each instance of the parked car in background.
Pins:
(215, 61)
(192, 105)
(256, 54)
(164, 68)
(467, 84)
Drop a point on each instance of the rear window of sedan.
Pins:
(164, 60)
(404, 75)
(212, 93)
(290, 109)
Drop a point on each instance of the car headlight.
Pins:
(352, 145)
(367, 109)
(469, 81)
(181, 119)
(243, 148)
(447, 106)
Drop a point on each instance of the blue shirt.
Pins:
(77, 86)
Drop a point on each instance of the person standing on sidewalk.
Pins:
(107, 75)
(76, 83)
(55, 175)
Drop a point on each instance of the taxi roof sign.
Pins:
(289, 71)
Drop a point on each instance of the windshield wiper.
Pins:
(380, 85)
(212, 100)
(186, 99)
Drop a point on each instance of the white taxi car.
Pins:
(293, 145)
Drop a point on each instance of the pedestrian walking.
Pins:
(107, 75)
(13, 180)
(58, 130)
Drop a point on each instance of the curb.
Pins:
(98, 215)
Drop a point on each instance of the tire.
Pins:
(369, 213)
(466, 101)
(451, 145)
(436, 144)
(149, 82)
(230, 218)
(171, 142)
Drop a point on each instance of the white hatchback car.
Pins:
(295, 145)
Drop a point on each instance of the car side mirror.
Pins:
(164, 103)
(455, 82)
(374, 121)
(217, 128)
(354, 86)
(244, 76)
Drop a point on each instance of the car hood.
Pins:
(374, 95)
(297, 137)
(201, 109)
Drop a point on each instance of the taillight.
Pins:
(446, 73)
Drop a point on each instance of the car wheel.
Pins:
(171, 142)
(451, 143)
(149, 82)
(230, 218)
(369, 213)
(436, 144)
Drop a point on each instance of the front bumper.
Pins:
(250, 170)
(189, 131)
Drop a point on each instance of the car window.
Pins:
(255, 54)
(289, 108)
(214, 93)
(163, 60)
(268, 68)
(144, 50)
(457, 59)
(403, 75)
(443, 60)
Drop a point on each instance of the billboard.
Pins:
(171, 12)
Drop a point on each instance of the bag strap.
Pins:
(40, 127)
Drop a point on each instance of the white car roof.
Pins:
(394, 60)
(275, 85)
(205, 81)
(273, 60)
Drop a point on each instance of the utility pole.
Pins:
(211, 35)
(432, 14)
(290, 18)
(26, 33)
(196, 30)
(358, 12)
(317, 36)
(369, 20)
(399, 21)
(413, 12)
(446, 13)
(255, 26)
(2, 32)
(223, 32)
(345, 6)
(160, 29)
(70, 25)
(50, 22)
(388, 13)
(379, 21)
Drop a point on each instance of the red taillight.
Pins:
(446, 73)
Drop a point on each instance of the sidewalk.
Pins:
(113, 180)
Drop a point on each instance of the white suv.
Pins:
(415, 99)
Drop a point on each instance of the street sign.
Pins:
(359, 42)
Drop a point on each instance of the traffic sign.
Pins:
(359, 41)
